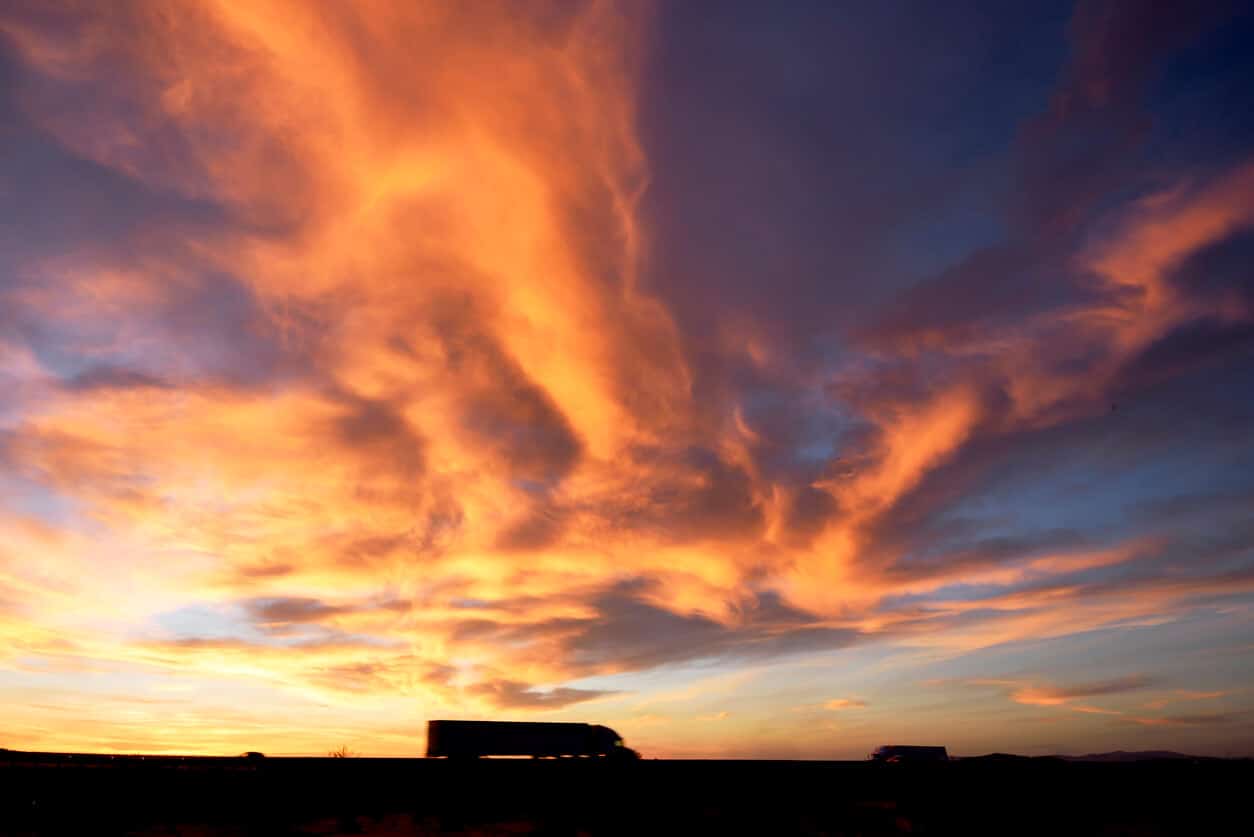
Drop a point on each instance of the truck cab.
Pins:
(909, 754)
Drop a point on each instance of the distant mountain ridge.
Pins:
(1135, 755)
(1115, 757)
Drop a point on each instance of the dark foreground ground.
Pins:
(45, 794)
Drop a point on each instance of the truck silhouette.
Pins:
(473, 739)
(908, 754)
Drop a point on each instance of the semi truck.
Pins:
(908, 754)
(474, 739)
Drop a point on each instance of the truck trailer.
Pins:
(474, 739)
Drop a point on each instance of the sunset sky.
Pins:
(758, 379)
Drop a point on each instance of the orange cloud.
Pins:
(839, 704)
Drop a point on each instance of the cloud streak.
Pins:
(1060, 695)
(841, 704)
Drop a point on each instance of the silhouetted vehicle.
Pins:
(252, 754)
(908, 754)
(472, 739)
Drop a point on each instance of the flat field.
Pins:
(88, 795)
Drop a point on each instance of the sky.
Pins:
(762, 380)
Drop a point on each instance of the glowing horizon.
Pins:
(370, 363)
